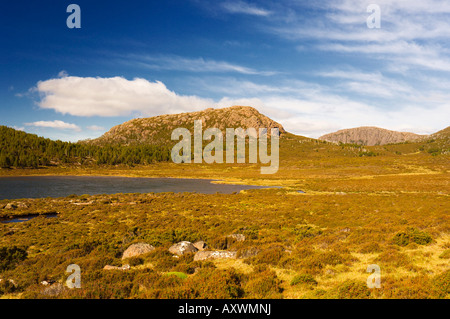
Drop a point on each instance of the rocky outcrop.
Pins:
(182, 248)
(157, 130)
(137, 250)
(369, 135)
(214, 254)
(200, 245)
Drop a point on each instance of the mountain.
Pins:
(157, 130)
(370, 135)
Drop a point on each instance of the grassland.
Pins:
(385, 205)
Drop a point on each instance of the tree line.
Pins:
(20, 149)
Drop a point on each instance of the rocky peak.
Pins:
(370, 135)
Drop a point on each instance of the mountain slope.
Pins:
(21, 149)
(444, 134)
(370, 135)
(157, 130)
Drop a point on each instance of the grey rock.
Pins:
(214, 254)
(10, 206)
(124, 267)
(200, 245)
(182, 248)
(137, 250)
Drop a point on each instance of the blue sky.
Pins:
(314, 66)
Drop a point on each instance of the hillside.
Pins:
(370, 136)
(442, 134)
(21, 149)
(157, 130)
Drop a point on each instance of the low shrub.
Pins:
(442, 284)
(303, 279)
(11, 256)
(222, 242)
(179, 274)
(352, 289)
(412, 235)
(370, 248)
(445, 254)
(6, 287)
(271, 256)
(135, 261)
(263, 283)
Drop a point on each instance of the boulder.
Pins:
(200, 245)
(10, 206)
(182, 248)
(137, 250)
(214, 254)
(124, 267)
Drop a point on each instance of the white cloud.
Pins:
(303, 108)
(63, 74)
(244, 8)
(116, 96)
(95, 128)
(55, 124)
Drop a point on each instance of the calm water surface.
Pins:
(60, 186)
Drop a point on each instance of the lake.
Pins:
(60, 186)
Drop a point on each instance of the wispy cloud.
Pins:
(178, 63)
(55, 124)
(95, 128)
(242, 7)
(414, 34)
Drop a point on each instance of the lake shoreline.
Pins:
(35, 186)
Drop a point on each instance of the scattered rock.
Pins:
(124, 267)
(10, 206)
(200, 245)
(214, 254)
(22, 205)
(345, 230)
(84, 204)
(137, 250)
(54, 290)
(11, 281)
(182, 248)
(47, 282)
(238, 237)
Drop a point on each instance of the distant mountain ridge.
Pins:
(157, 130)
(370, 136)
